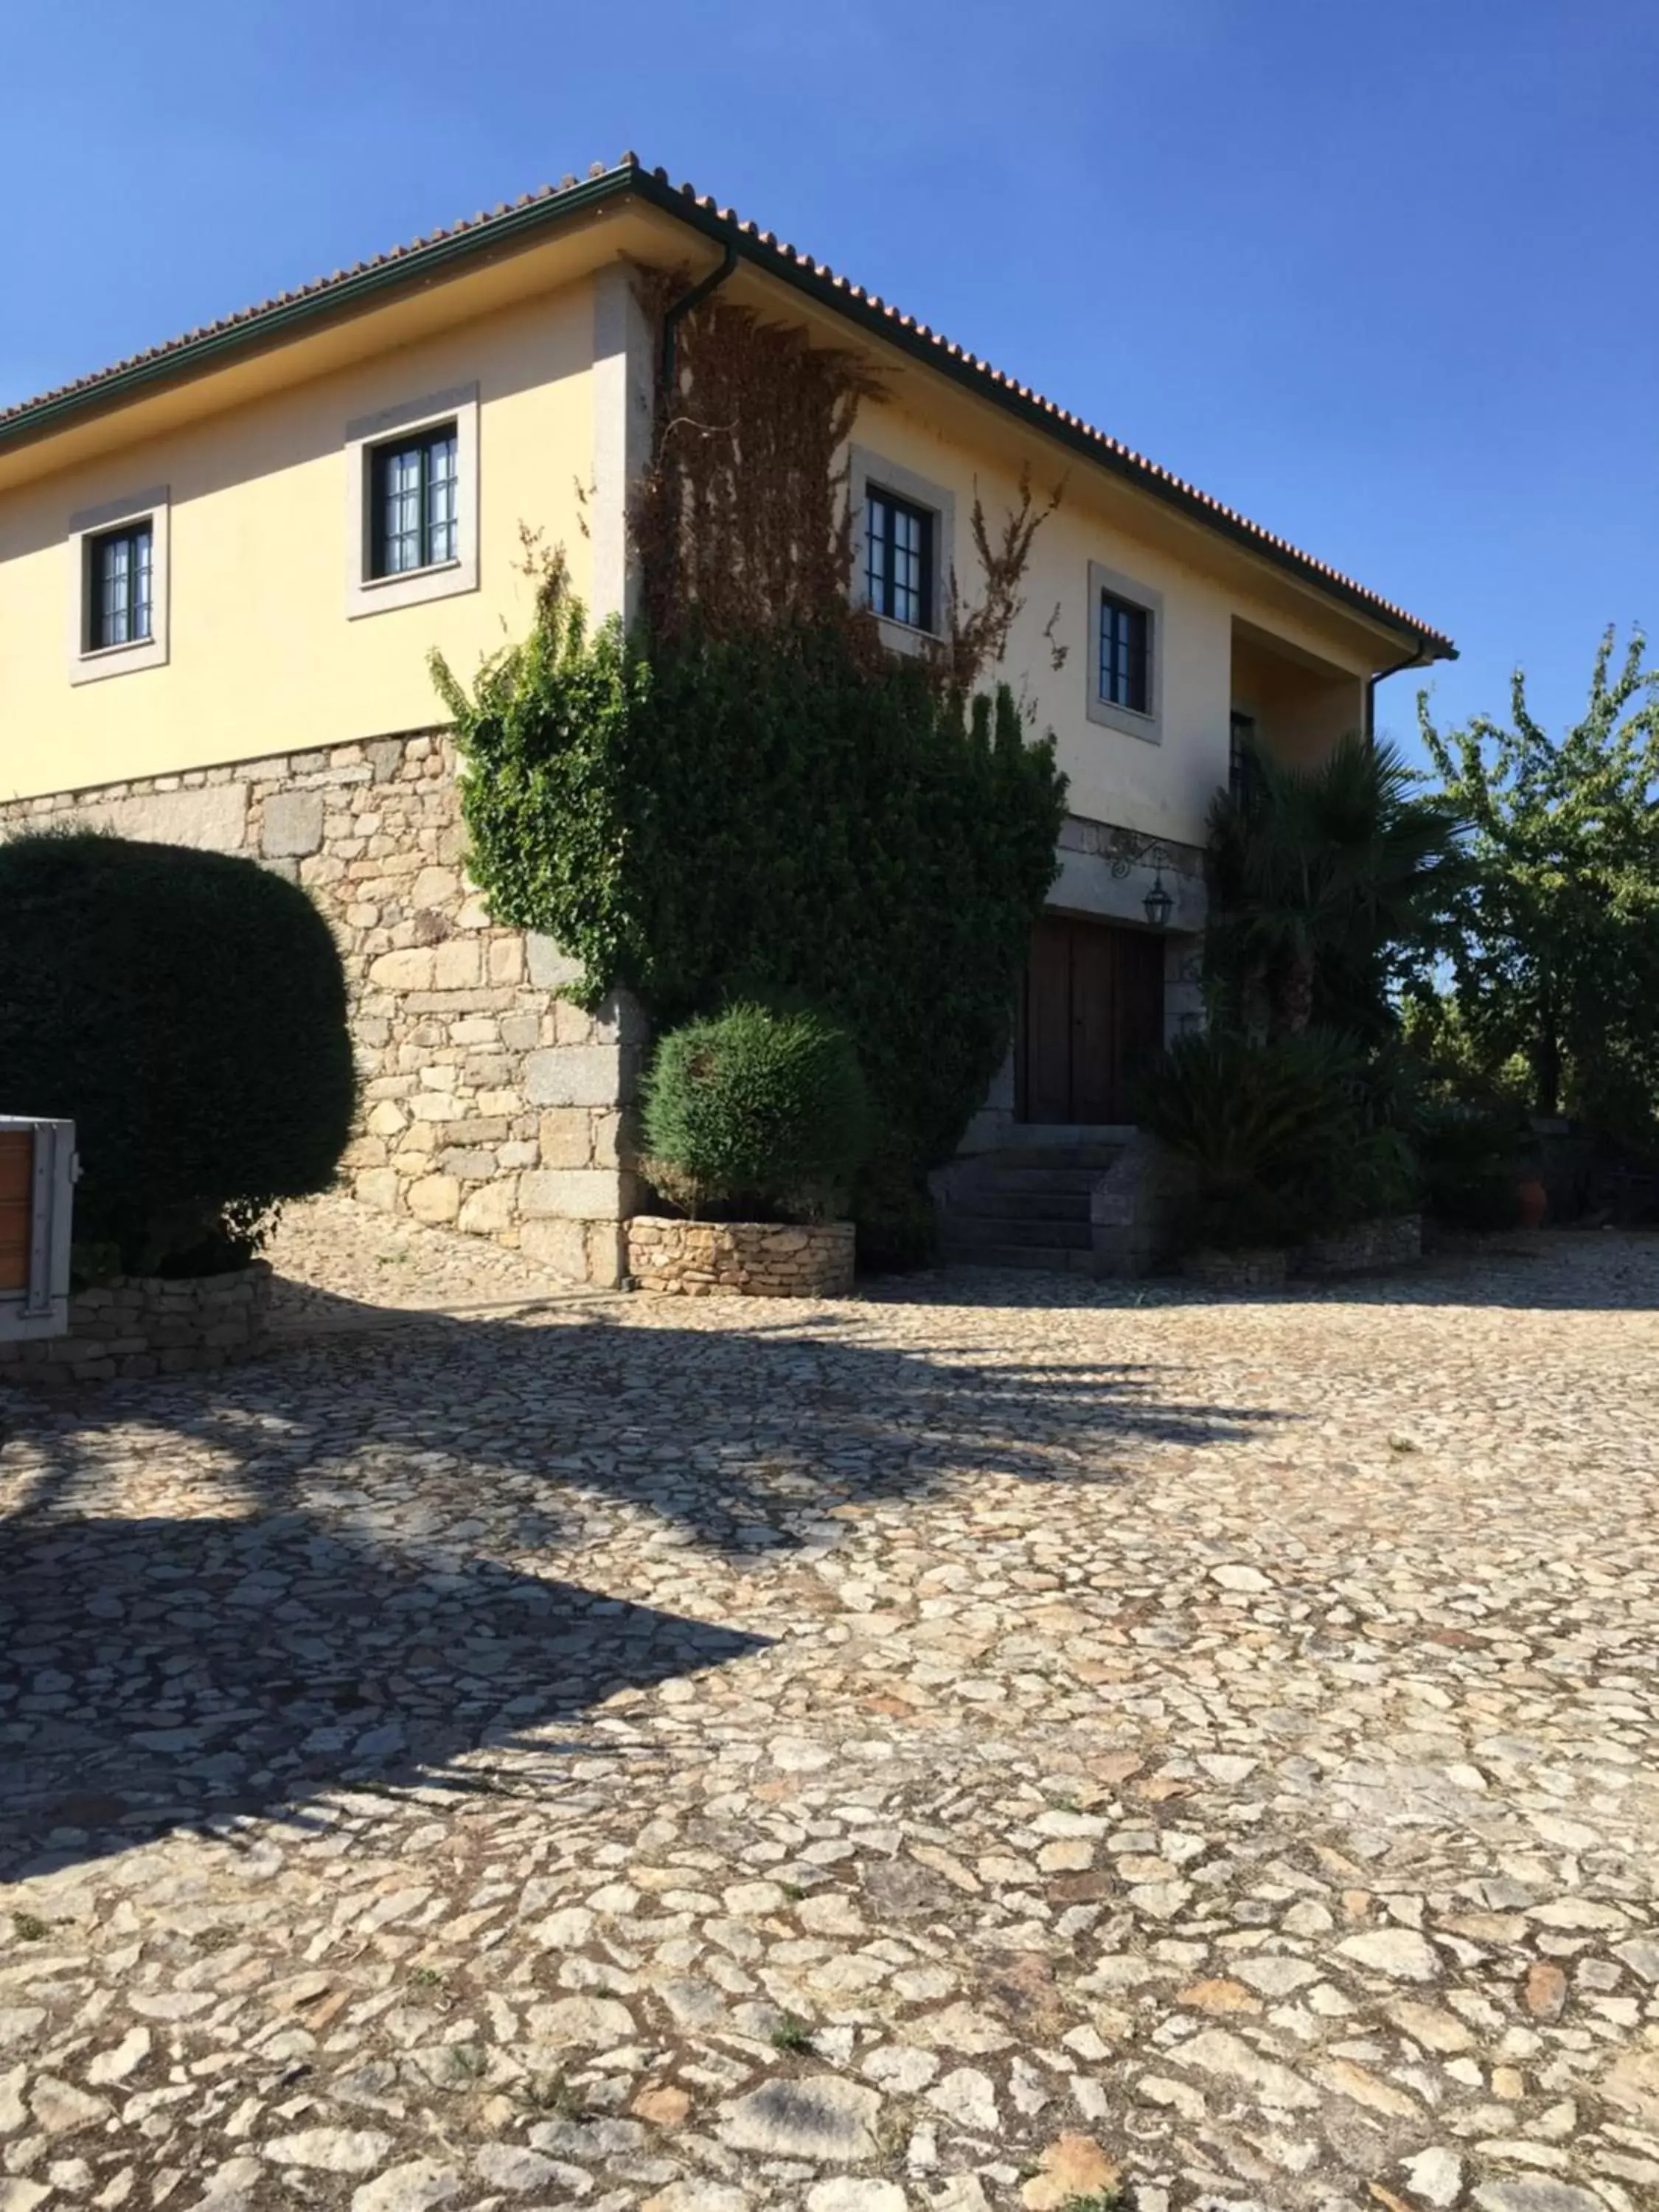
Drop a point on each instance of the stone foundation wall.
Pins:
(756, 1259)
(148, 1325)
(487, 1103)
(1236, 1273)
(1392, 1241)
(1129, 1210)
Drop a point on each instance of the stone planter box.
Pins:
(1392, 1241)
(1236, 1272)
(141, 1325)
(751, 1259)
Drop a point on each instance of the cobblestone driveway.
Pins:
(930, 1751)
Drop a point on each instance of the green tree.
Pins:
(1329, 883)
(1556, 953)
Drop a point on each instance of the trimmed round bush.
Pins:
(187, 1011)
(756, 1113)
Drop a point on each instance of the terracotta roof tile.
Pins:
(764, 248)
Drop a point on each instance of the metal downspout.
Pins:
(682, 307)
(1413, 659)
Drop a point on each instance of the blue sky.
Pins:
(1380, 276)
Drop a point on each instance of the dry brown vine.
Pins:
(742, 515)
(977, 637)
(742, 521)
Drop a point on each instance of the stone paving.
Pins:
(994, 1743)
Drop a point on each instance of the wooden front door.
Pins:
(1092, 1016)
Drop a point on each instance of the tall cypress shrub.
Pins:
(187, 1011)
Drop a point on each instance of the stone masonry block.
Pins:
(377, 1187)
(455, 965)
(489, 1210)
(560, 1247)
(619, 1020)
(474, 1164)
(293, 824)
(435, 887)
(575, 1075)
(565, 1135)
(605, 1262)
(213, 819)
(572, 1194)
(550, 968)
(607, 1141)
(434, 1198)
(409, 969)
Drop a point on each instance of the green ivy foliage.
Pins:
(789, 813)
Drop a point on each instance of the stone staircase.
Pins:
(1025, 1205)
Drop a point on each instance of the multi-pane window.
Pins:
(898, 562)
(1241, 755)
(414, 493)
(1126, 638)
(120, 567)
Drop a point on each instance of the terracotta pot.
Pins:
(1533, 1201)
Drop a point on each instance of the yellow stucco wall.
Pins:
(1298, 709)
(262, 658)
(1164, 788)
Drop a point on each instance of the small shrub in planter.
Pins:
(755, 1114)
(187, 1011)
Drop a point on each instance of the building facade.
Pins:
(222, 567)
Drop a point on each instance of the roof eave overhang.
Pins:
(523, 225)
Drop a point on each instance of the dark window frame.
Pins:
(421, 446)
(1123, 669)
(130, 605)
(885, 512)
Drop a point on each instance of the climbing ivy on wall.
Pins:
(748, 795)
(755, 815)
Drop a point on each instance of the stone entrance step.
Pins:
(1026, 1206)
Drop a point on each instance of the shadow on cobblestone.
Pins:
(183, 1670)
(305, 1611)
(1547, 1271)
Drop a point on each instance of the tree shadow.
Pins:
(201, 1669)
(362, 1598)
(1549, 1271)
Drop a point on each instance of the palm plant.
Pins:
(1328, 886)
(1256, 1131)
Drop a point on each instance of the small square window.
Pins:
(898, 563)
(120, 580)
(1125, 641)
(415, 503)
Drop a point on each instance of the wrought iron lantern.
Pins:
(1134, 853)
